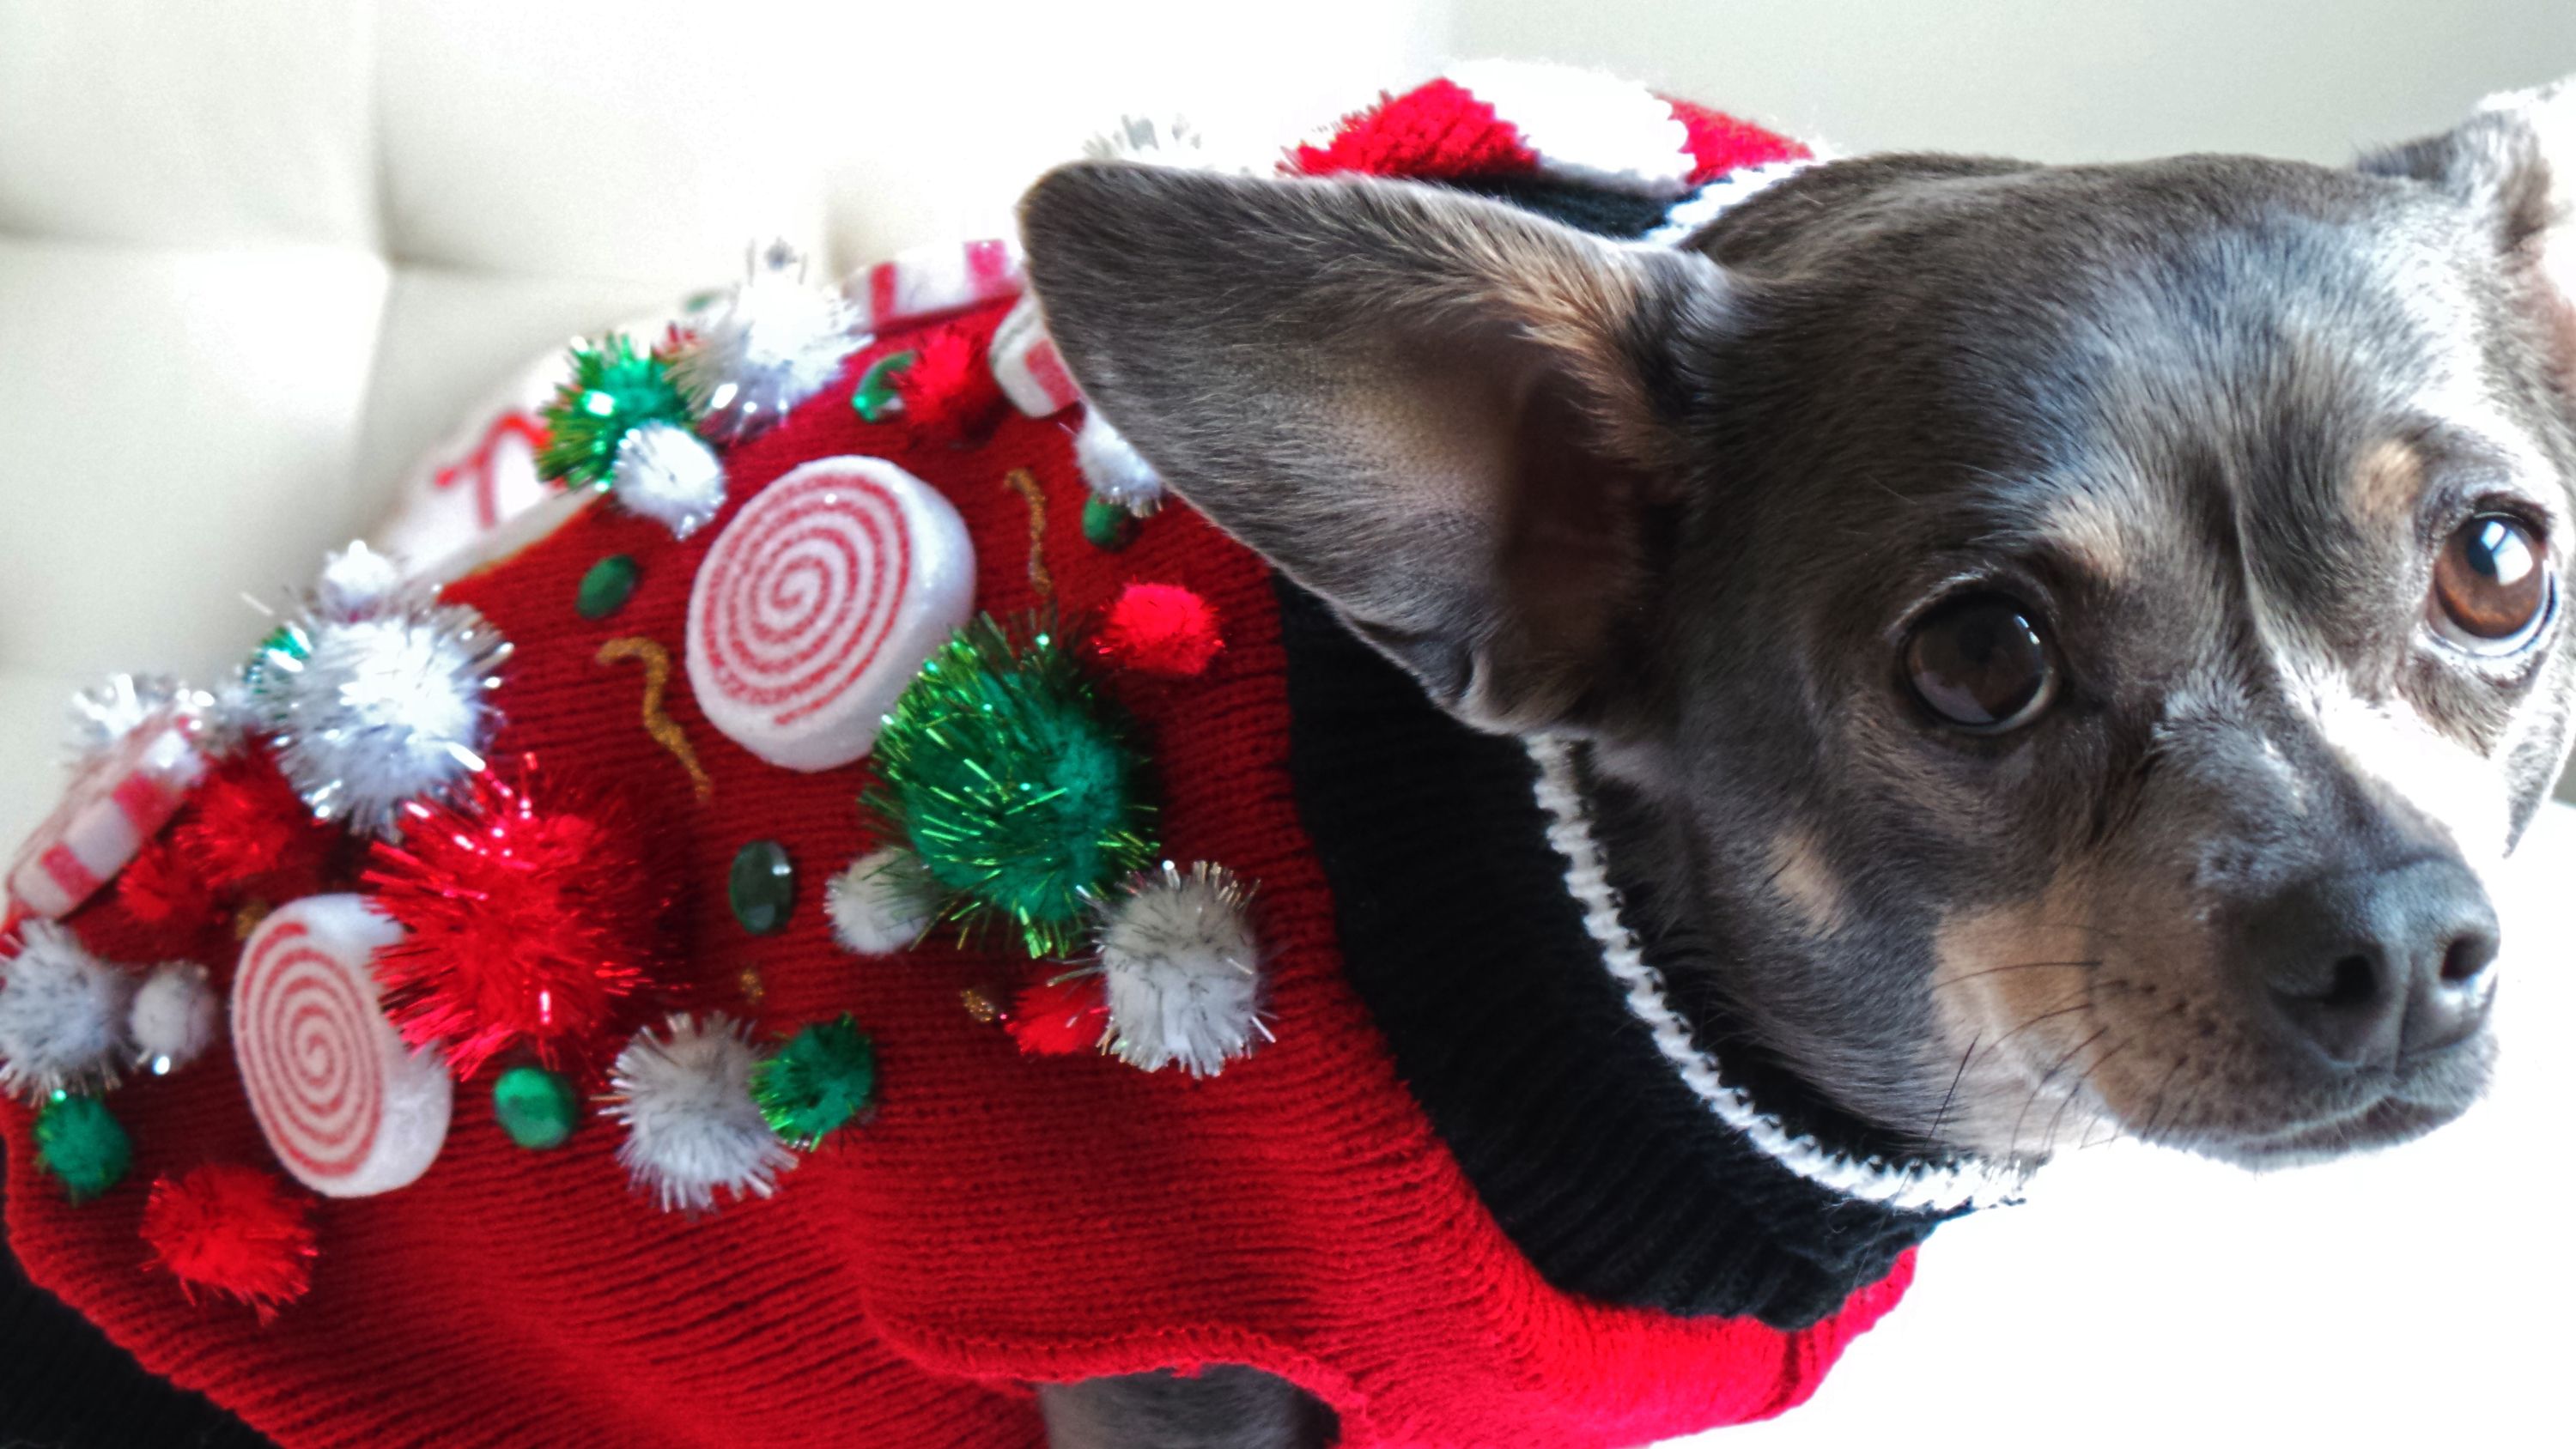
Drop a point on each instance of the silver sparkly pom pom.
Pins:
(691, 1124)
(356, 582)
(368, 713)
(62, 1016)
(1182, 971)
(771, 343)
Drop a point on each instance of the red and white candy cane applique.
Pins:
(819, 603)
(347, 1108)
(1026, 365)
(118, 800)
(932, 281)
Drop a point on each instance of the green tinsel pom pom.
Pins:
(613, 388)
(80, 1143)
(822, 1078)
(1016, 785)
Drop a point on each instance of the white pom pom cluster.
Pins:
(691, 1125)
(1182, 971)
(666, 474)
(1115, 470)
(881, 903)
(174, 1018)
(768, 345)
(62, 1015)
(381, 710)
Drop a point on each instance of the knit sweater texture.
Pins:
(1458, 1220)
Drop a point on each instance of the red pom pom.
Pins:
(948, 392)
(1159, 629)
(530, 920)
(233, 1230)
(244, 834)
(1057, 1018)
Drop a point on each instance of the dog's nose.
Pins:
(2370, 965)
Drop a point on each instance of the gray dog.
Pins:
(2056, 645)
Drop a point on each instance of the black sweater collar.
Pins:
(1488, 946)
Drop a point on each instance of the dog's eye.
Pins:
(1981, 663)
(2490, 585)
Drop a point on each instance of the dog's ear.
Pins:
(1452, 419)
(2513, 164)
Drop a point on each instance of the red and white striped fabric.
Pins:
(932, 281)
(1507, 118)
(119, 800)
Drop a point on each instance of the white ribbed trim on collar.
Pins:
(1696, 211)
(1968, 1183)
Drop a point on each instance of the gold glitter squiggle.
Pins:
(658, 723)
(1025, 484)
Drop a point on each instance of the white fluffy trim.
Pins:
(175, 1017)
(691, 1125)
(62, 1015)
(1183, 971)
(881, 903)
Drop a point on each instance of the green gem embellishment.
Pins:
(876, 400)
(821, 1080)
(538, 1108)
(81, 1144)
(1106, 526)
(763, 886)
(607, 586)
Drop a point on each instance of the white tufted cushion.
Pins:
(255, 257)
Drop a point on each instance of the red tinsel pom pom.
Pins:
(1159, 629)
(1057, 1018)
(233, 1230)
(948, 392)
(244, 834)
(532, 915)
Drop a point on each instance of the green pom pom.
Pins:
(1016, 785)
(538, 1108)
(613, 388)
(80, 1143)
(814, 1085)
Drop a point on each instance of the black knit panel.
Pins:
(1457, 931)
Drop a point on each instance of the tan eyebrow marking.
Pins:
(2386, 480)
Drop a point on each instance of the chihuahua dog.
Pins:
(2072, 641)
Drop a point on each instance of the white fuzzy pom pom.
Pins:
(1183, 971)
(175, 1017)
(62, 1015)
(771, 343)
(665, 473)
(369, 713)
(356, 581)
(881, 903)
(691, 1125)
(1113, 468)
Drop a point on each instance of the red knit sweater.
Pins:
(1002, 1219)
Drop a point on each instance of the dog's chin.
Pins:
(2414, 1102)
